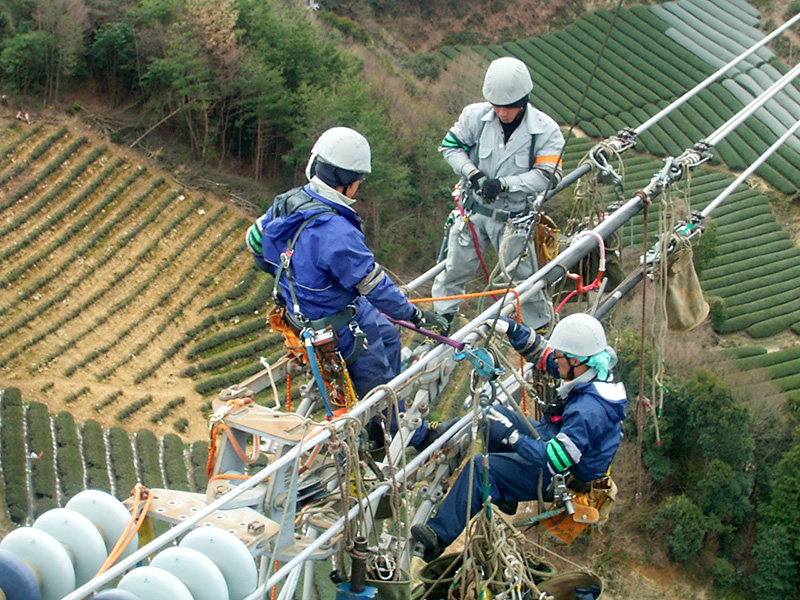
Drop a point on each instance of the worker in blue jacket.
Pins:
(312, 242)
(579, 434)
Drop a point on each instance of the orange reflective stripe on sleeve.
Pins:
(549, 159)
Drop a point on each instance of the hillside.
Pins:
(108, 262)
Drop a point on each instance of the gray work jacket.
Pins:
(480, 135)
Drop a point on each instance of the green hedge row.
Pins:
(69, 465)
(75, 395)
(198, 459)
(147, 455)
(15, 467)
(220, 382)
(94, 456)
(37, 152)
(42, 174)
(123, 469)
(176, 476)
(239, 353)
(19, 141)
(257, 303)
(245, 330)
(51, 222)
(167, 409)
(112, 397)
(64, 291)
(133, 407)
(42, 460)
(36, 209)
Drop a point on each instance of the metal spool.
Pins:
(17, 581)
(80, 538)
(46, 558)
(229, 554)
(195, 570)
(151, 583)
(107, 514)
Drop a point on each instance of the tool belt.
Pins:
(497, 214)
(335, 322)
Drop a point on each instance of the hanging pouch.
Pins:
(686, 306)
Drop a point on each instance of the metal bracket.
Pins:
(483, 361)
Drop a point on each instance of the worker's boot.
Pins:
(426, 542)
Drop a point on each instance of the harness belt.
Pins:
(338, 320)
(497, 214)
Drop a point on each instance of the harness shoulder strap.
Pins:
(286, 259)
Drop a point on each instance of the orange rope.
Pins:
(212, 450)
(231, 476)
(275, 587)
(465, 296)
(248, 460)
(130, 529)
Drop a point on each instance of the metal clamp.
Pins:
(483, 361)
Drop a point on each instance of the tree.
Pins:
(777, 570)
(681, 522)
(113, 54)
(24, 60)
(66, 22)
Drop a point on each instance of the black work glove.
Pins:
(427, 319)
(476, 179)
(492, 188)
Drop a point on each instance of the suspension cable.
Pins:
(714, 76)
(748, 110)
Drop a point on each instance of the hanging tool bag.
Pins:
(686, 306)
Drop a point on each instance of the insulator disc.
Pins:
(116, 595)
(17, 581)
(108, 515)
(79, 536)
(195, 570)
(230, 555)
(47, 559)
(150, 583)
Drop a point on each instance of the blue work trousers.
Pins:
(512, 478)
(380, 362)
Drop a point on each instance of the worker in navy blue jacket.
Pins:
(312, 242)
(579, 435)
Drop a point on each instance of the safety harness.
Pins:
(317, 336)
(323, 326)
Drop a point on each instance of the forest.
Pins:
(243, 87)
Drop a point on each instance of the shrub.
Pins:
(176, 476)
(147, 454)
(168, 408)
(69, 465)
(683, 525)
(777, 569)
(122, 468)
(40, 444)
(133, 407)
(14, 458)
(181, 425)
(94, 456)
(198, 458)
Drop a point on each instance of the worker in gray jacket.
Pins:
(505, 151)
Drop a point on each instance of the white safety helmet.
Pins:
(579, 335)
(507, 81)
(344, 148)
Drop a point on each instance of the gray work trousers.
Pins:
(462, 262)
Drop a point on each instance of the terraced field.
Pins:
(106, 267)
